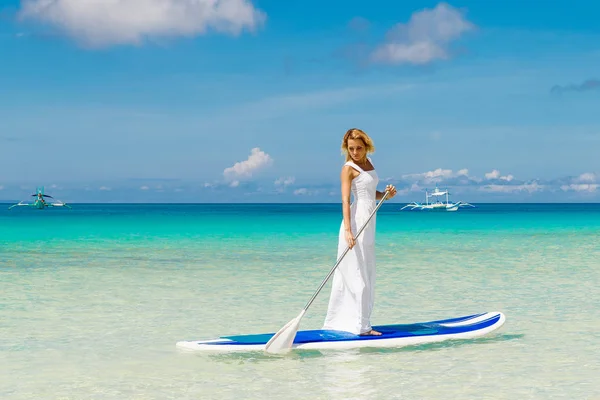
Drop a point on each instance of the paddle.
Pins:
(282, 341)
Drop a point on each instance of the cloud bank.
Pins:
(587, 182)
(495, 182)
(245, 184)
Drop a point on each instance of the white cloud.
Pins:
(426, 36)
(1, 187)
(586, 177)
(460, 177)
(282, 183)
(144, 188)
(492, 175)
(413, 188)
(495, 174)
(100, 23)
(301, 192)
(285, 181)
(580, 187)
(257, 161)
(526, 187)
(105, 188)
(234, 184)
(434, 176)
(309, 192)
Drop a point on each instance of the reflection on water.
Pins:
(347, 375)
(258, 356)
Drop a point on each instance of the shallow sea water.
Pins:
(95, 298)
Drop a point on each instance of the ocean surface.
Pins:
(93, 300)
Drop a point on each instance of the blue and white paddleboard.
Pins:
(467, 327)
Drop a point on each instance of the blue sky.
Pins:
(174, 101)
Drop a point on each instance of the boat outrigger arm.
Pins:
(437, 205)
(40, 201)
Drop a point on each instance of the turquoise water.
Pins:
(95, 298)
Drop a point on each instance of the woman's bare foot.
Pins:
(372, 332)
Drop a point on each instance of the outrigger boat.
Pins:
(438, 204)
(40, 201)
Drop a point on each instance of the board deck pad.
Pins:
(391, 335)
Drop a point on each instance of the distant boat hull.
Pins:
(434, 207)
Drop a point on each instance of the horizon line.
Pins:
(10, 202)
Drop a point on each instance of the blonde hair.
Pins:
(356, 134)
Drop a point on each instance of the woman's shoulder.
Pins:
(351, 169)
(348, 165)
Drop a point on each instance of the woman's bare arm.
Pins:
(346, 179)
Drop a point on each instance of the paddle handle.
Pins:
(314, 296)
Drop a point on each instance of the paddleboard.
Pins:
(467, 327)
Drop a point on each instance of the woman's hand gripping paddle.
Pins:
(282, 341)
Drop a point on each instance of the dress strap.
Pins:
(353, 165)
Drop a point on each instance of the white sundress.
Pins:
(353, 287)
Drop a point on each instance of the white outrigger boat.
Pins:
(438, 204)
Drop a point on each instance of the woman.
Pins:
(352, 291)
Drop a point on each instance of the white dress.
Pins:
(352, 291)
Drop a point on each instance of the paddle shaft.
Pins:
(314, 296)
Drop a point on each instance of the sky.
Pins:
(241, 101)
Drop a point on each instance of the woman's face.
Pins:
(357, 150)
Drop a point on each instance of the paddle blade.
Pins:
(282, 341)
